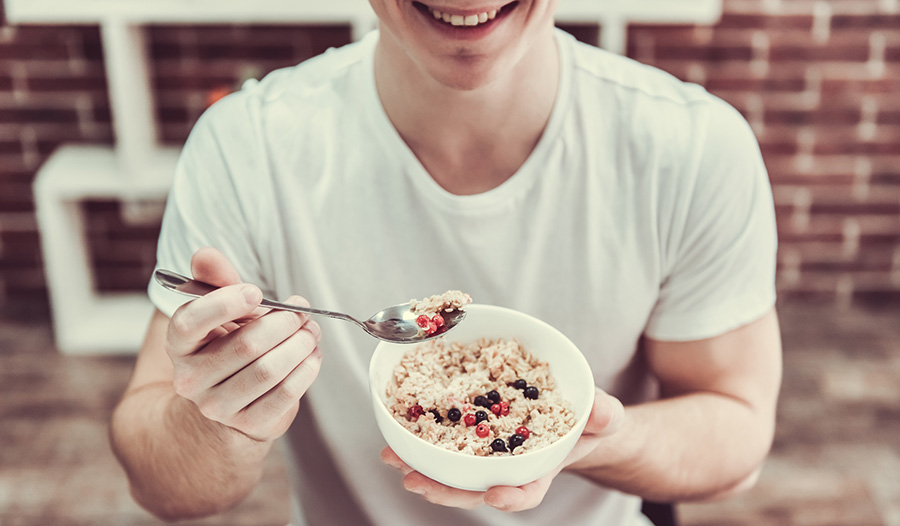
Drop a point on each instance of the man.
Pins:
(466, 145)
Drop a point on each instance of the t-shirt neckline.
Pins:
(424, 183)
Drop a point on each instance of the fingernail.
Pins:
(251, 294)
(414, 489)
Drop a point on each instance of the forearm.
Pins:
(180, 464)
(690, 447)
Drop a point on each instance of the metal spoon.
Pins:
(395, 324)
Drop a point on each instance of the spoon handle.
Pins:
(194, 288)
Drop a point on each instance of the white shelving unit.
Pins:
(138, 169)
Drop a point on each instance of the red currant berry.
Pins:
(482, 430)
(522, 430)
(469, 419)
(438, 320)
(432, 327)
(415, 412)
(422, 321)
(504, 408)
(495, 409)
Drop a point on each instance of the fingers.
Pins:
(229, 354)
(269, 416)
(194, 321)
(251, 381)
(211, 266)
(521, 498)
(391, 459)
(437, 493)
(431, 490)
(607, 415)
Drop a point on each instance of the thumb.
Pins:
(211, 266)
(606, 416)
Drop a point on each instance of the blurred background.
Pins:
(818, 80)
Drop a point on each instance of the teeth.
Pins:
(467, 20)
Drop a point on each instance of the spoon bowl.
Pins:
(395, 324)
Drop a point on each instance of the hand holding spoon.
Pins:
(395, 324)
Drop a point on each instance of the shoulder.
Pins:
(656, 114)
(633, 83)
(311, 86)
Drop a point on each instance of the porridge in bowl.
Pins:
(489, 397)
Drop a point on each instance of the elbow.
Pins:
(172, 510)
(743, 485)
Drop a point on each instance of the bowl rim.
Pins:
(576, 353)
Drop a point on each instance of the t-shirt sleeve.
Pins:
(720, 268)
(205, 206)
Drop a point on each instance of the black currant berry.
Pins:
(482, 401)
(499, 445)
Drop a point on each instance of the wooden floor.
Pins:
(836, 459)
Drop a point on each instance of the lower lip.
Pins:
(465, 32)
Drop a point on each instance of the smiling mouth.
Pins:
(464, 20)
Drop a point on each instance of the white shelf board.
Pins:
(108, 324)
(76, 172)
(85, 321)
(186, 11)
(330, 11)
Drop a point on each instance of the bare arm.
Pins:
(713, 428)
(211, 389)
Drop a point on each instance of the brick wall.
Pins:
(818, 80)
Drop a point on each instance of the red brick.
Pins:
(856, 208)
(847, 141)
(20, 249)
(889, 117)
(28, 115)
(887, 238)
(172, 114)
(10, 146)
(887, 178)
(90, 83)
(828, 116)
(6, 81)
(711, 54)
(873, 21)
(732, 20)
(194, 83)
(587, 33)
(833, 53)
(17, 51)
(15, 196)
(716, 81)
(855, 87)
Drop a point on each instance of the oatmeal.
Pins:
(429, 310)
(489, 397)
(448, 301)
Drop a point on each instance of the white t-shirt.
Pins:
(645, 209)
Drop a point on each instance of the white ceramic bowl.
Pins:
(568, 366)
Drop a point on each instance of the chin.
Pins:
(467, 74)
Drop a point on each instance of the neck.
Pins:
(470, 140)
